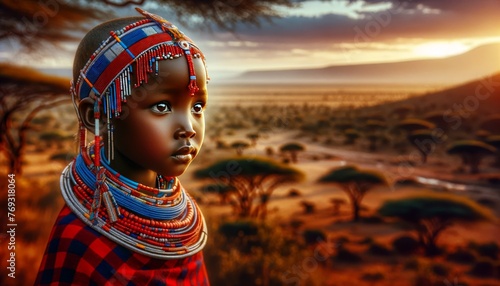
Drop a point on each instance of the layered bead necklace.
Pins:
(163, 222)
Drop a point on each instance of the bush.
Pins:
(309, 207)
(489, 250)
(341, 240)
(313, 236)
(439, 269)
(63, 156)
(483, 268)
(379, 249)
(294, 193)
(461, 256)
(405, 245)
(238, 229)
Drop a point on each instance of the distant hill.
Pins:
(477, 98)
(475, 63)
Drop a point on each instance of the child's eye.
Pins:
(197, 108)
(161, 108)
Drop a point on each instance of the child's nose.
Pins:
(185, 129)
(181, 134)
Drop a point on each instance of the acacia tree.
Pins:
(23, 93)
(356, 183)
(432, 213)
(417, 137)
(293, 149)
(239, 146)
(253, 179)
(472, 152)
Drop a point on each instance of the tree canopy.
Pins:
(253, 178)
(355, 183)
(432, 213)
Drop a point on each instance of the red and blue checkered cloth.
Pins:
(78, 255)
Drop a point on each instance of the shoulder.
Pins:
(75, 252)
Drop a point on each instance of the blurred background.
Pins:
(349, 142)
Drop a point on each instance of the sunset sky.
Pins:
(322, 33)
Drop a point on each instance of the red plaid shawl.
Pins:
(78, 255)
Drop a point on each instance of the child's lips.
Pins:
(184, 154)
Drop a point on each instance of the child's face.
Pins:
(162, 126)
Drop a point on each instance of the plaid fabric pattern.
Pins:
(78, 255)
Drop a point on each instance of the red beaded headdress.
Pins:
(106, 77)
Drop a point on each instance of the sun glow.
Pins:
(440, 49)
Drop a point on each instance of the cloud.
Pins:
(410, 19)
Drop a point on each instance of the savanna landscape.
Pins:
(320, 188)
(347, 142)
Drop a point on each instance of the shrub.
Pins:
(313, 236)
(405, 245)
(238, 229)
(347, 256)
(489, 250)
(63, 156)
(483, 268)
(379, 249)
(461, 256)
(309, 207)
(439, 269)
(294, 193)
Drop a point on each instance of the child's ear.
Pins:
(86, 110)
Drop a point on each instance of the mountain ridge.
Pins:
(451, 70)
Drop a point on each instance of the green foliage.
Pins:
(253, 178)
(413, 124)
(431, 213)
(432, 205)
(475, 147)
(248, 167)
(293, 148)
(350, 174)
(355, 183)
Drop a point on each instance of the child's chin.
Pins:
(175, 172)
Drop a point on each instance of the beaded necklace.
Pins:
(165, 225)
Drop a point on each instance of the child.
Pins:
(139, 84)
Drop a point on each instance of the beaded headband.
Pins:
(106, 77)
